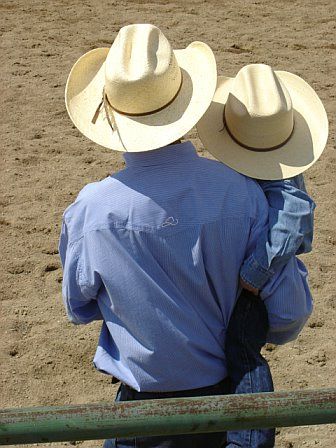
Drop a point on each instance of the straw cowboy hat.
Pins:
(140, 94)
(265, 124)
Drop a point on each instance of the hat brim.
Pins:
(302, 150)
(83, 95)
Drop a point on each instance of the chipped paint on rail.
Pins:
(167, 416)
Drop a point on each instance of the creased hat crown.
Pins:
(140, 94)
(141, 71)
(258, 112)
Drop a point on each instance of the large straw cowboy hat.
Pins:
(265, 124)
(140, 94)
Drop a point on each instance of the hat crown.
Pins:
(141, 71)
(259, 111)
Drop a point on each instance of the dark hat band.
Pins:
(251, 148)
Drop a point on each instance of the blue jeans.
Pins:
(248, 370)
(212, 440)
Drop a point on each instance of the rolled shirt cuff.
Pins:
(254, 274)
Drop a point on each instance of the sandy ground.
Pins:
(44, 359)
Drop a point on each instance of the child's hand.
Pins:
(248, 287)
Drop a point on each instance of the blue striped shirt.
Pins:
(290, 229)
(155, 252)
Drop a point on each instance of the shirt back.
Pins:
(155, 251)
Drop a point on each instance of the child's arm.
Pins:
(291, 216)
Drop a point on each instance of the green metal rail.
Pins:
(167, 416)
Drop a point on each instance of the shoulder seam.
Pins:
(149, 229)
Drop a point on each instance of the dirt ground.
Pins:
(46, 161)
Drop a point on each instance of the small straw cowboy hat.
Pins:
(140, 94)
(265, 124)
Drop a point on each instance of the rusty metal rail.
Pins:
(168, 416)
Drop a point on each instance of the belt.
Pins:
(115, 380)
(207, 390)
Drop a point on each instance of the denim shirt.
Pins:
(290, 232)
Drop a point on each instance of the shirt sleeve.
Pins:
(286, 294)
(288, 302)
(289, 233)
(78, 289)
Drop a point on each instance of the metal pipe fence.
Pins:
(167, 416)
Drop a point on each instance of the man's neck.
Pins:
(176, 142)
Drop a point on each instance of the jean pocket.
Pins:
(110, 443)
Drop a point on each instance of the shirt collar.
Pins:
(167, 154)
